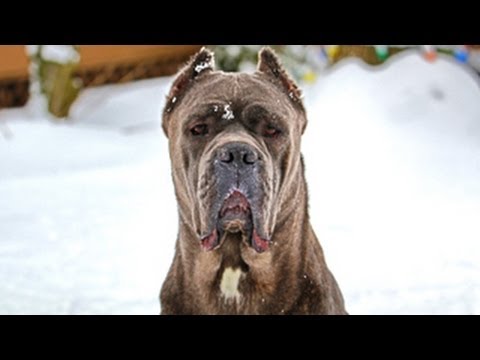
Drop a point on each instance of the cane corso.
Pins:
(245, 244)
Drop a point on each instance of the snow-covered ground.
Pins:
(88, 217)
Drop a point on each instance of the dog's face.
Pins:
(233, 140)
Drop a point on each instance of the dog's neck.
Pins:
(232, 278)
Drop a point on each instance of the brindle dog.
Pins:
(245, 244)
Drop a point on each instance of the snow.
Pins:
(227, 113)
(62, 54)
(31, 50)
(202, 66)
(392, 158)
(396, 169)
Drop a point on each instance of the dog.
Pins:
(245, 244)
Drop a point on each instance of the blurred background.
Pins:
(88, 217)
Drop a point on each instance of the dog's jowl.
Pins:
(245, 244)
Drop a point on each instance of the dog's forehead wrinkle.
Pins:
(236, 85)
(260, 109)
(226, 96)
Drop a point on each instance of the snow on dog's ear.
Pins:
(269, 64)
(201, 63)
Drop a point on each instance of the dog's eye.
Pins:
(271, 131)
(199, 130)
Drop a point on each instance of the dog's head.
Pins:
(235, 147)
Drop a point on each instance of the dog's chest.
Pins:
(229, 284)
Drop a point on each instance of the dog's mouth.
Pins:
(235, 216)
(236, 213)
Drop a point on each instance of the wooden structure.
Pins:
(100, 64)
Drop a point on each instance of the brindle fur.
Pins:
(292, 277)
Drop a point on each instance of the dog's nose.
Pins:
(237, 154)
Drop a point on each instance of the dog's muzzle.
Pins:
(238, 204)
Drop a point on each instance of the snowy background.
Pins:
(88, 217)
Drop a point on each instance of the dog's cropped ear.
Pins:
(199, 64)
(269, 64)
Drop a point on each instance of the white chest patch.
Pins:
(229, 283)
